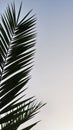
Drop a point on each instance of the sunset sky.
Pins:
(52, 74)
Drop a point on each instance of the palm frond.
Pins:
(16, 53)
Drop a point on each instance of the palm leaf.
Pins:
(16, 53)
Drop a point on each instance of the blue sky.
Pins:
(52, 74)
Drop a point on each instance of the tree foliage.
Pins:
(17, 41)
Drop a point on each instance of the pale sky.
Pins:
(52, 74)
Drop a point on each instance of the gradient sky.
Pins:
(52, 74)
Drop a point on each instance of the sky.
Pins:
(52, 74)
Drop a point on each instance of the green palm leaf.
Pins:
(16, 53)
